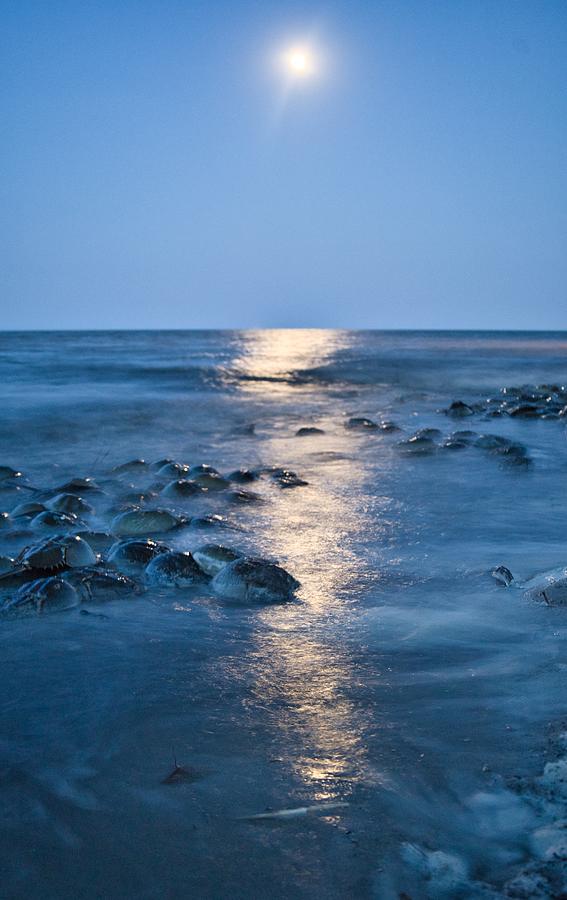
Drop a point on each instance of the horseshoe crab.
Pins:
(99, 541)
(6, 564)
(132, 556)
(211, 558)
(459, 410)
(70, 503)
(173, 470)
(134, 465)
(254, 580)
(28, 509)
(183, 487)
(211, 521)
(418, 445)
(211, 481)
(58, 552)
(145, 521)
(548, 587)
(243, 476)
(306, 430)
(203, 469)
(7, 472)
(174, 569)
(285, 478)
(99, 585)
(78, 486)
(50, 519)
(359, 423)
(245, 497)
(45, 595)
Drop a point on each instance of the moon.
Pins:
(299, 62)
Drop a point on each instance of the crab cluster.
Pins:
(542, 401)
(427, 441)
(80, 562)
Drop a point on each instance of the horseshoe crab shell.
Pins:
(69, 503)
(132, 556)
(45, 595)
(174, 569)
(28, 509)
(253, 580)
(50, 519)
(211, 558)
(145, 521)
(182, 487)
(547, 587)
(100, 585)
(59, 552)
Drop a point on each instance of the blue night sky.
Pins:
(159, 170)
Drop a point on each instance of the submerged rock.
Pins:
(174, 569)
(211, 558)
(254, 580)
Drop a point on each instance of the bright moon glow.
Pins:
(300, 62)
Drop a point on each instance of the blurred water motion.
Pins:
(403, 680)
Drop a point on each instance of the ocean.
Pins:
(402, 680)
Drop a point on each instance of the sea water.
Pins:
(402, 681)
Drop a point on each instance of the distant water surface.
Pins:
(403, 681)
